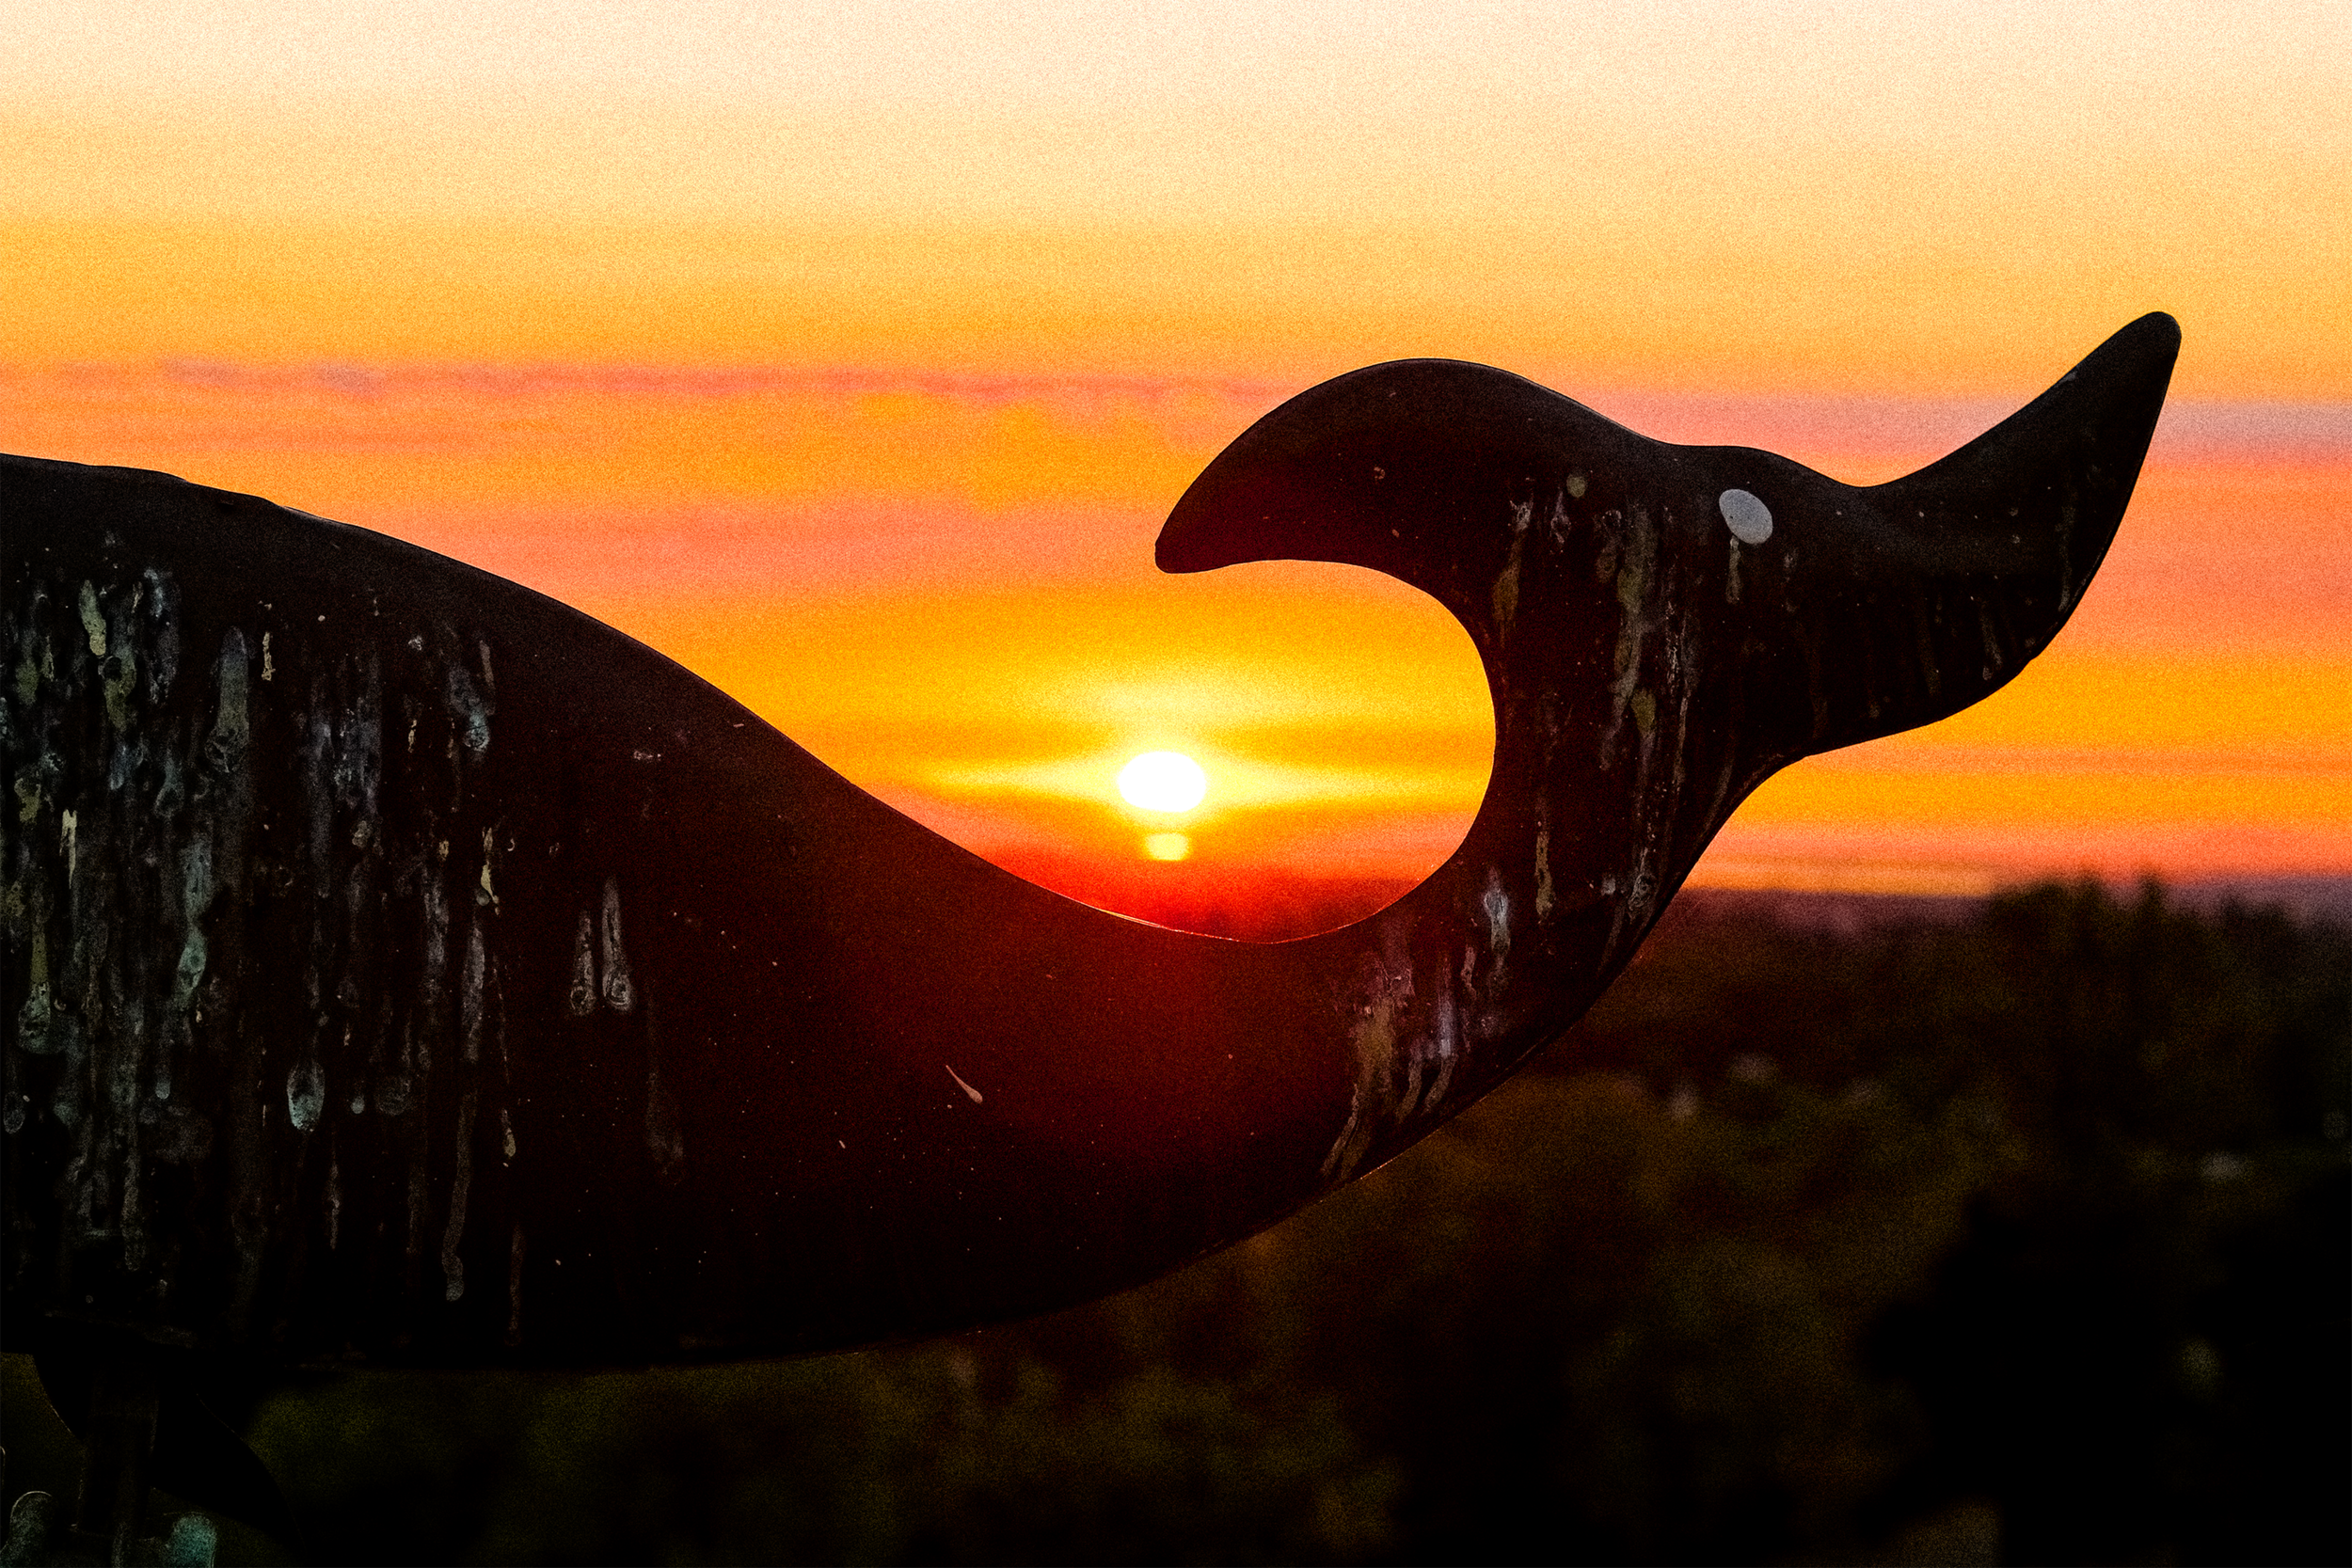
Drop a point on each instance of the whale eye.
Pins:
(1749, 519)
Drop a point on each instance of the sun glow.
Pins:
(1167, 847)
(1163, 782)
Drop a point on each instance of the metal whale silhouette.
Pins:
(404, 968)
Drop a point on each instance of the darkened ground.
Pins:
(2019, 1233)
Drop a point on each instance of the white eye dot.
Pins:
(1749, 519)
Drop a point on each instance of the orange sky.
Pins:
(853, 356)
(944, 587)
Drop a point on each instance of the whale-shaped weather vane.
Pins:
(404, 968)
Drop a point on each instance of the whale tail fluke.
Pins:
(1859, 613)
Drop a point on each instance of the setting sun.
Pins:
(1163, 781)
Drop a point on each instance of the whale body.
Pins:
(404, 968)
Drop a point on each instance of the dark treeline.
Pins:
(2019, 1233)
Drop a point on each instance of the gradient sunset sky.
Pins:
(851, 356)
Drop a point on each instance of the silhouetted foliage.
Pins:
(2015, 1230)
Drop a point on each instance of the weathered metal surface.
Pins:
(404, 968)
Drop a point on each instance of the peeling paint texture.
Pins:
(401, 967)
